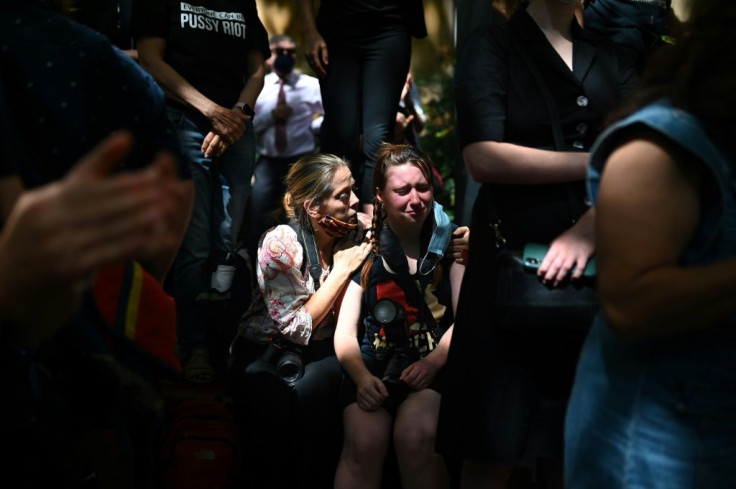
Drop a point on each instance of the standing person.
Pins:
(208, 57)
(410, 227)
(516, 409)
(302, 271)
(361, 52)
(288, 118)
(653, 400)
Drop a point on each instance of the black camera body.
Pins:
(392, 316)
(286, 356)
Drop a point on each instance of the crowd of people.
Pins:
(383, 345)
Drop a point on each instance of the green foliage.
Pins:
(438, 137)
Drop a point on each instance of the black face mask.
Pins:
(284, 64)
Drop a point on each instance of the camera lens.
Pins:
(290, 367)
(385, 311)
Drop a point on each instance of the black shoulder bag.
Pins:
(523, 301)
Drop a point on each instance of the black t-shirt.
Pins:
(207, 41)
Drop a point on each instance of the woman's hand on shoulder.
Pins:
(349, 255)
(420, 374)
(370, 393)
(570, 252)
(460, 245)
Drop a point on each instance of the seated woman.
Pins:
(299, 422)
(400, 303)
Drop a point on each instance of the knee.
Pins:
(413, 439)
(363, 449)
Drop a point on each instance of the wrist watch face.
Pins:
(247, 109)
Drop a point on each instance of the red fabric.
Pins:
(281, 126)
(154, 325)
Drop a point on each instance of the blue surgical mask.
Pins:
(441, 235)
(284, 64)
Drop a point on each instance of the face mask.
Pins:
(284, 64)
(441, 234)
(335, 228)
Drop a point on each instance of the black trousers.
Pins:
(291, 436)
(360, 95)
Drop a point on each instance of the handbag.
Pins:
(522, 299)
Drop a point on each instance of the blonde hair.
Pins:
(310, 179)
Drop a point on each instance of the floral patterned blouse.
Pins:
(286, 286)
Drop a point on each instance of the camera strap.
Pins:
(310, 257)
(396, 259)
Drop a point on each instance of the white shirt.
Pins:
(303, 96)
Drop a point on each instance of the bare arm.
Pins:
(647, 212)
(215, 143)
(347, 258)
(229, 123)
(491, 161)
(315, 47)
(371, 391)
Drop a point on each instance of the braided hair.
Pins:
(388, 156)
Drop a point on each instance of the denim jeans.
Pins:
(266, 196)
(221, 186)
(658, 414)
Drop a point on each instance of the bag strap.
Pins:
(395, 257)
(310, 257)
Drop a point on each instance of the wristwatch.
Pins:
(247, 109)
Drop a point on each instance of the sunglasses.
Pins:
(282, 51)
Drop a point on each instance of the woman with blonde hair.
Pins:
(302, 269)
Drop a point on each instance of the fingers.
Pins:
(371, 394)
(556, 266)
(103, 158)
(216, 146)
(208, 142)
(318, 59)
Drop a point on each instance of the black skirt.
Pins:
(508, 390)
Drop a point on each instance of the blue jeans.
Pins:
(221, 188)
(655, 414)
(266, 196)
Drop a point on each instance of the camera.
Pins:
(392, 317)
(286, 356)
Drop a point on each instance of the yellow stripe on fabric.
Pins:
(134, 300)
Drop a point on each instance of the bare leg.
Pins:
(364, 449)
(414, 437)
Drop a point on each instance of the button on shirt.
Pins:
(304, 97)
